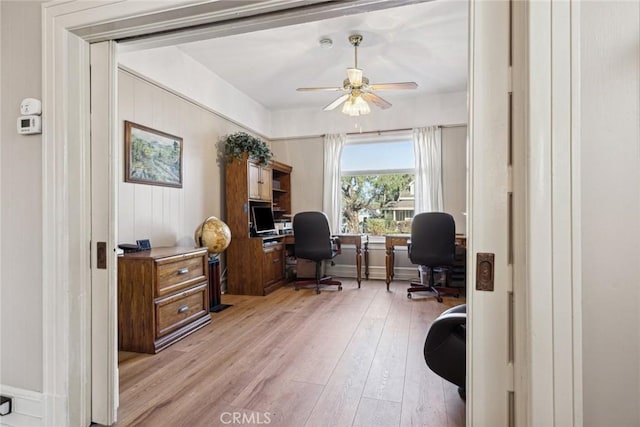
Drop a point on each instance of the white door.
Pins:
(489, 379)
(104, 332)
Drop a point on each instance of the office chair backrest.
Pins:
(433, 239)
(312, 235)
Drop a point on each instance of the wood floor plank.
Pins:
(454, 405)
(298, 357)
(423, 398)
(319, 347)
(386, 376)
(339, 401)
(377, 413)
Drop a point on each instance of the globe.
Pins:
(213, 234)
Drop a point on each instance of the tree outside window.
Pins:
(377, 186)
(377, 204)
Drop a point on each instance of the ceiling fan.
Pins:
(357, 89)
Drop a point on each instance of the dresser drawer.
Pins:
(178, 310)
(180, 273)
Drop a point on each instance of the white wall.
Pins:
(454, 174)
(306, 157)
(439, 109)
(610, 206)
(21, 207)
(169, 216)
(172, 68)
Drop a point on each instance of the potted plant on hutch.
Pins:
(252, 165)
(239, 143)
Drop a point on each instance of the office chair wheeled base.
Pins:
(319, 281)
(421, 286)
(426, 289)
(323, 282)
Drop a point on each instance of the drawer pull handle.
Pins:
(183, 271)
(183, 309)
(276, 260)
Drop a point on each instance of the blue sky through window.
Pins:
(378, 156)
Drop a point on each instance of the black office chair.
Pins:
(445, 349)
(314, 242)
(432, 247)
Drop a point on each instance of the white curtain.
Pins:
(427, 146)
(333, 144)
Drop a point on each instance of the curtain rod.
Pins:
(369, 132)
(379, 132)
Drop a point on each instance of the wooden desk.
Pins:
(393, 240)
(349, 239)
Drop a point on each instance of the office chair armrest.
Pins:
(336, 246)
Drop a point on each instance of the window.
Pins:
(377, 184)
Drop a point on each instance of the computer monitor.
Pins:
(263, 220)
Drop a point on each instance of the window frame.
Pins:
(378, 138)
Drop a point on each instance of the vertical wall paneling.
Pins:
(126, 193)
(168, 216)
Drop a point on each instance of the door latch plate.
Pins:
(484, 271)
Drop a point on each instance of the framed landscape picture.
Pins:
(151, 156)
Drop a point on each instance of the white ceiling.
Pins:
(425, 43)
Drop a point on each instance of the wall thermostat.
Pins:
(30, 107)
(28, 125)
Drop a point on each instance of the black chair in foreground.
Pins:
(445, 347)
(314, 242)
(432, 247)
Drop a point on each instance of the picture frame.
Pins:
(151, 156)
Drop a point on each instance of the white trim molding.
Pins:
(27, 407)
(553, 215)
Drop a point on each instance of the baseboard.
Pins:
(375, 272)
(27, 409)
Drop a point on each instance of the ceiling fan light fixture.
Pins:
(355, 76)
(356, 106)
(356, 89)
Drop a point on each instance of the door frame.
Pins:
(550, 376)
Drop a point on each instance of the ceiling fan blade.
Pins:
(393, 86)
(337, 102)
(376, 100)
(319, 89)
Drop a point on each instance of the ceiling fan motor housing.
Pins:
(355, 40)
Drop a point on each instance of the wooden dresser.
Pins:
(162, 297)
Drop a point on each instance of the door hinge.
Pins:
(510, 79)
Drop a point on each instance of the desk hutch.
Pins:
(255, 265)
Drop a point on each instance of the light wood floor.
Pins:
(350, 358)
